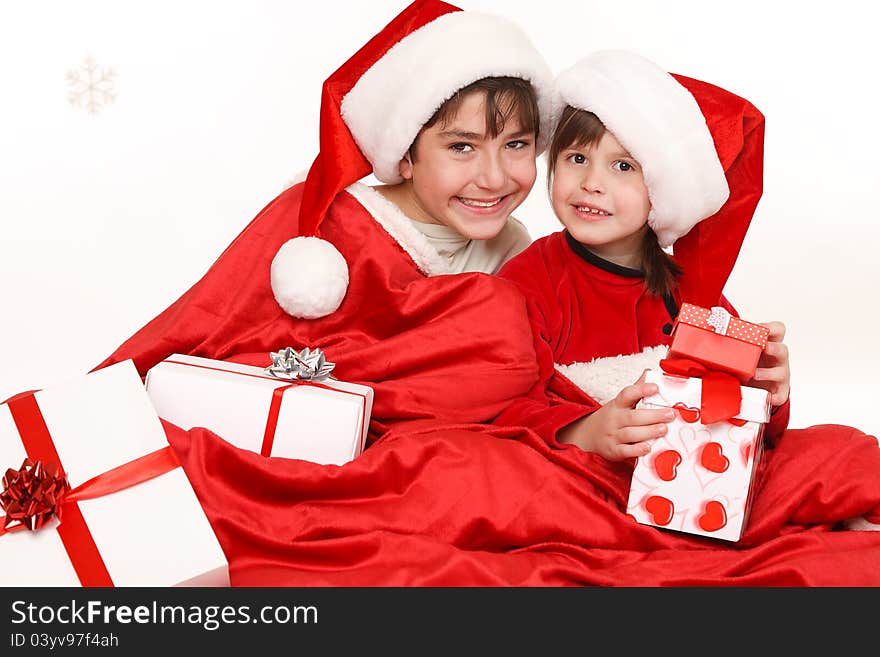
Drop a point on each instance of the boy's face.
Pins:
(465, 179)
(599, 195)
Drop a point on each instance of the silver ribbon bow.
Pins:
(305, 365)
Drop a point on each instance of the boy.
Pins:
(455, 144)
(351, 265)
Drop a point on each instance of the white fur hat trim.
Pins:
(398, 94)
(658, 121)
(309, 277)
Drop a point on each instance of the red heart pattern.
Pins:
(697, 476)
(687, 413)
(666, 464)
(713, 459)
(746, 450)
(714, 517)
(660, 508)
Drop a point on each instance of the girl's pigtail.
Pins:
(661, 271)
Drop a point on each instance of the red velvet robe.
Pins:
(455, 348)
(436, 503)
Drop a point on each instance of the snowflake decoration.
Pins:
(91, 88)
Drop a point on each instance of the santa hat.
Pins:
(372, 109)
(701, 151)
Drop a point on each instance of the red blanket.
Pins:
(485, 506)
(430, 504)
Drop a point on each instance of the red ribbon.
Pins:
(275, 404)
(721, 396)
(73, 531)
(275, 409)
(272, 420)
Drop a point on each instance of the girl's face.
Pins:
(465, 179)
(599, 195)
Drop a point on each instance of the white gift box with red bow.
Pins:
(323, 420)
(152, 533)
(699, 478)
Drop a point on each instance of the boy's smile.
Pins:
(463, 178)
(599, 195)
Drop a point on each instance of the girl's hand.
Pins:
(773, 373)
(619, 431)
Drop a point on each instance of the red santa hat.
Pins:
(701, 151)
(372, 109)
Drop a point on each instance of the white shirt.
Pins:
(464, 255)
(436, 248)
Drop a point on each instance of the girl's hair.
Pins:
(506, 97)
(579, 128)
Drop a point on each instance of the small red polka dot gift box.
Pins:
(699, 478)
(718, 340)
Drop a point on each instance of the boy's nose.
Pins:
(493, 173)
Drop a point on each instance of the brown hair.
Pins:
(506, 97)
(581, 128)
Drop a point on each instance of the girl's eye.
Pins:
(578, 158)
(621, 165)
(461, 148)
(517, 144)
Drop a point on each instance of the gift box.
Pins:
(126, 515)
(699, 478)
(718, 340)
(322, 420)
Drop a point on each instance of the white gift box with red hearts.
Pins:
(699, 478)
(322, 421)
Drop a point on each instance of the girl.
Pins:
(640, 160)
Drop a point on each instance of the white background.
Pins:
(108, 218)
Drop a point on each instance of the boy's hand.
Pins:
(773, 373)
(618, 430)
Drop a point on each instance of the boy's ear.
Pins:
(405, 167)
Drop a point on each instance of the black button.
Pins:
(667, 329)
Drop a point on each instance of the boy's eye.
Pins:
(517, 144)
(461, 148)
(622, 165)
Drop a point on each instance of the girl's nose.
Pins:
(592, 181)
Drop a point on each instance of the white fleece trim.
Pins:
(400, 227)
(659, 122)
(603, 378)
(396, 96)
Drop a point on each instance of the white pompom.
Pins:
(309, 277)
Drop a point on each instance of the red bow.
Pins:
(721, 396)
(32, 495)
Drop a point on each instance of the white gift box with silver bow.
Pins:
(323, 420)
